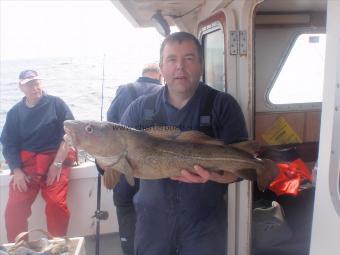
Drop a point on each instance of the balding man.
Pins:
(148, 83)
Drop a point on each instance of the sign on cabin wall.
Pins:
(281, 133)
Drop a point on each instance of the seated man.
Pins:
(37, 156)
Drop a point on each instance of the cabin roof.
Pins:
(139, 12)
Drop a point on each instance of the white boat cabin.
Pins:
(281, 60)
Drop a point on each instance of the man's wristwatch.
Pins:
(58, 164)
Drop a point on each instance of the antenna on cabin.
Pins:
(160, 23)
(103, 81)
(100, 215)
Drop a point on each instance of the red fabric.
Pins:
(19, 204)
(289, 179)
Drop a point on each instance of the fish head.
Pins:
(98, 138)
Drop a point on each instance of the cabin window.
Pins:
(213, 46)
(300, 78)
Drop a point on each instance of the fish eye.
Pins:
(89, 129)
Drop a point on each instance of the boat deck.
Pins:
(109, 245)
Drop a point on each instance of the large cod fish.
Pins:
(163, 152)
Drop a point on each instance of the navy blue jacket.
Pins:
(192, 201)
(35, 129)
(127, 93)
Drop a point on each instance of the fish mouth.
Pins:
(69, 137)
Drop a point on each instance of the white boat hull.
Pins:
(82, 201)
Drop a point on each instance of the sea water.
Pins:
(79, 81)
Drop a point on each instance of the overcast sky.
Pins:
(36, 29)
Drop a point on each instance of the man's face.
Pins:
(32, 90)
(181, 67)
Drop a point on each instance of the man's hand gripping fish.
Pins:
(162, 152)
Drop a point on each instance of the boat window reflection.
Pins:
(214, 74)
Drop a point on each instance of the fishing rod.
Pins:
(100, 215)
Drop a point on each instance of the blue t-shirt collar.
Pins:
(195, 97)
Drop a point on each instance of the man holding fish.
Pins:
(185, 214)
(170, 136)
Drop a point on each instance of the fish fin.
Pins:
(267, 174)
(165, 132)
(251, 147)
(130, 179)
(128, 171)
(111, 178)
(197, 137)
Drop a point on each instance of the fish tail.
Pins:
(266, 174)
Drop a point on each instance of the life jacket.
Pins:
(292, 171)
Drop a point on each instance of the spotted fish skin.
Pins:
(145, 155)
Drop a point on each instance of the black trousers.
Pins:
(122, 199)
(127, 221)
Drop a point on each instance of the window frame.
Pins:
(290, 106)
(212, 24)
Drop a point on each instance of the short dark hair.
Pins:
(181, 37)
